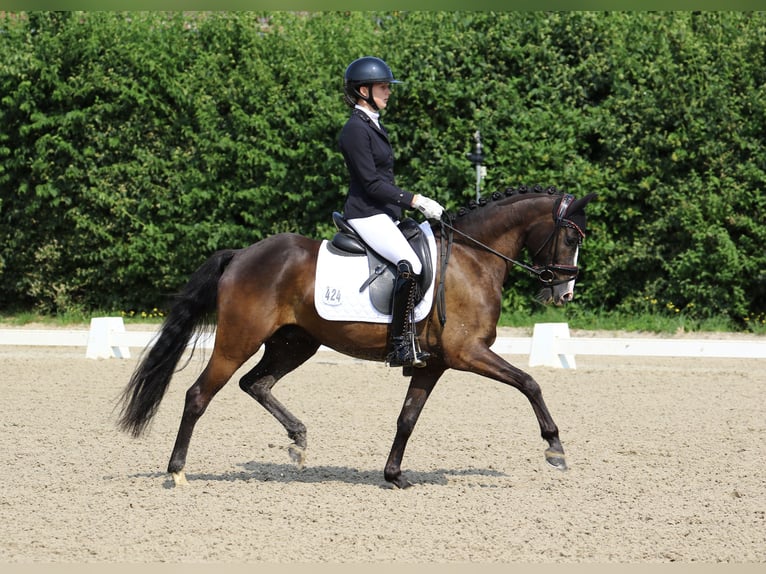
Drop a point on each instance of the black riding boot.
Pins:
(404, 348)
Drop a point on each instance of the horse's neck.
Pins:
(503, 225)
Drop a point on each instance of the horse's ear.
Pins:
(578, 205)
(576, 211)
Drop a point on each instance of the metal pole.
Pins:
(476, 159)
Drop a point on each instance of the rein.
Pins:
(529, 268)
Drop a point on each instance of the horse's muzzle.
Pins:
(558, 295)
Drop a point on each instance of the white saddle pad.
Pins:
(338, 278)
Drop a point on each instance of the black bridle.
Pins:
(546, 274)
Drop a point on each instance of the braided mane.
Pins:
(508, 192)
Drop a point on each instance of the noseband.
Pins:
(547, 273)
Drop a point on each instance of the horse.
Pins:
(262, 295)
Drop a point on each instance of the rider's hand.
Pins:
(430, 208)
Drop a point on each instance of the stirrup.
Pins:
(407, 353)
(420, 356)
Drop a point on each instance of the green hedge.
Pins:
(133, 144)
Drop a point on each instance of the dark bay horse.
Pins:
(264, 295)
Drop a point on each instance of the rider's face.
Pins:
(380, 93)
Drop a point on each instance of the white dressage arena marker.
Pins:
(99, 339)
(545, 346)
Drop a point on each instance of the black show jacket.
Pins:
(370, 161)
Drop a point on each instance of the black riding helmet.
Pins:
(365, 72)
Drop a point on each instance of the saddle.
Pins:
(347, 243)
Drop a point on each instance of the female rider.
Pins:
(374, 203)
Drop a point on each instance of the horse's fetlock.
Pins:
(175, 466)
(298, 436)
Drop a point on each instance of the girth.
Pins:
(346, 242)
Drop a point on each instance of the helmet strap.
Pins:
(369, 99)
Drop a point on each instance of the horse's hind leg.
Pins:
(212, 379)
(285, 351)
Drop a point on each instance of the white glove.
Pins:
(430, 208)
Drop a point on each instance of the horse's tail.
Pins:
(194, 307)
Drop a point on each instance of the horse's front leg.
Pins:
(421, 385)
(483, 361)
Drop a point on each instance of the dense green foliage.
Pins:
(132, 145)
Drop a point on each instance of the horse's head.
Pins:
(550, 225)
(555, 247)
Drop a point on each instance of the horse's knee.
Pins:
(530, 387)
(405, 424)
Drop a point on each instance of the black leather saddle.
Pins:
(346, 242)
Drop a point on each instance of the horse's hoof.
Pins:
(399, 482)
(179, 478)
(297, 455)
(556, 459)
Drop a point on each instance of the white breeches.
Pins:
(383, 235)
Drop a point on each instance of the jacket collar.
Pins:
(380, 129)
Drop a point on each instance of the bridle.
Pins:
(547, 273)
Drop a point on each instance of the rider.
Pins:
(374, 203)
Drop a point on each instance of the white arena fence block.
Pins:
(146, 339)
(512, 345)
(100, 339)
(44, 337)
(649, 347)
(546, 348)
